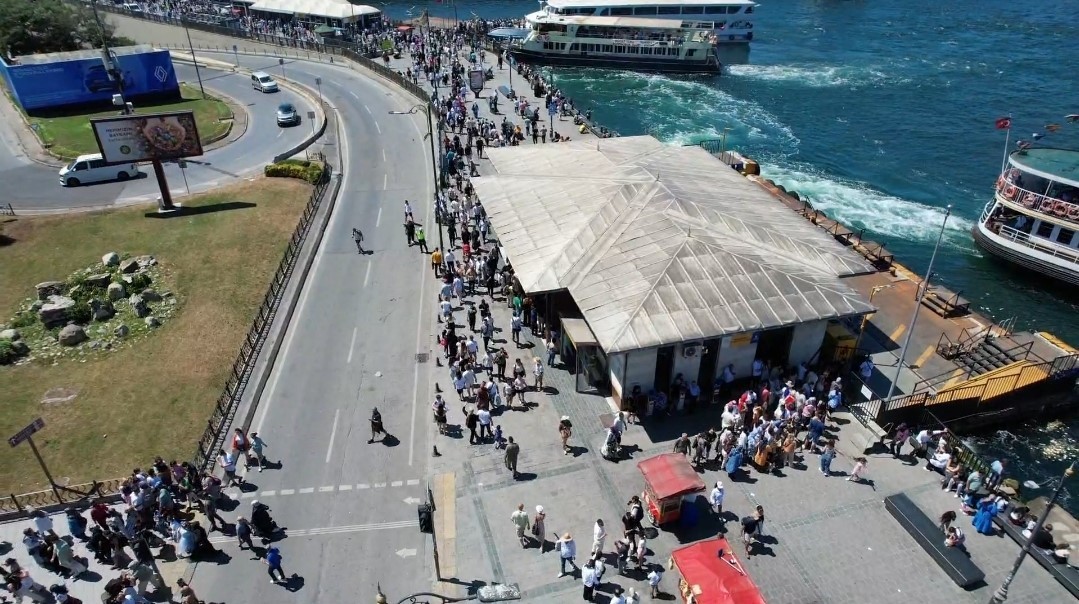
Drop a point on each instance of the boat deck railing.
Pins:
(1037, 202)
(1035, 243)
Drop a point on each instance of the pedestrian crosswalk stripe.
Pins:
(363, 485)
(307, 490)
(345, 487)
(287, 491)
(396, 483)
(380, 485)
(413, 482)
(325, 489)
(268, 493)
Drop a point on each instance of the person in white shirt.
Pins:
(484, 417)
(758, 370)
(537, 373)
(654, 578)
(588, 578)
(617, 597)
(925, 437)
(716, 499)
(599, 536)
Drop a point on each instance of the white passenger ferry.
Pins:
(680, 36)
(1033, 220)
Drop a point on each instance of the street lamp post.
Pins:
(191, 46)
(918, 304)
(1001, 594)
(865, 318)
(426, 109)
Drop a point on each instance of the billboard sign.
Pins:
(475, 80)
(86, 80)
(157, 136)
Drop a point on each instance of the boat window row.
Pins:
(554, 46)
(670, 51)
(621, 33)
(647, 11)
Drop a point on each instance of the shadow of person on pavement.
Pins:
(390, 440)
(294, 583)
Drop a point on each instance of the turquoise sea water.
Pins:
(882, 113)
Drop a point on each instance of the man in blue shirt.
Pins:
(273, 561)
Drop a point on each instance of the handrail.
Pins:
(1053, 249)
(1037, 202)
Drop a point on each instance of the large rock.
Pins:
(150, 295)
(138, 305)
(20, 347)
(146, 260)
(115, 291)
(49, 288)
(72, 335)
(55, 312)
(129, 266)
(10, 334)
(152, 321)
(99, 281)
(121, 331)
(111, 259)
(101, 310)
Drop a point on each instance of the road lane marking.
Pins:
(279, 362)
(367, 275)
(377, 127)
(333, 433)
(248, 495)
(397, 483)
(363, 485)
(328, 489)
(344, 487)
(413, 482)
(268, 493)
(287, 491)
(307, 490)
(922, 358)
(352, 344)
(366, 107)
(385, 181)
(894, 336)
(419, 322)
(384, 155)
(332, 530)
(355, 96)
(380, 485)
(378, 219)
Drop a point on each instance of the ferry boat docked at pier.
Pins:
(671, 36)
(1033, 220)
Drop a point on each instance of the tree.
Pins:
(42, 26)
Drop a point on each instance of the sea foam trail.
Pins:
(857, 205)
(819, 76)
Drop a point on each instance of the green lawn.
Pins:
(69, 136)
(153, 395)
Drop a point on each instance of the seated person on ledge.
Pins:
(955, 538)
(1042, 538)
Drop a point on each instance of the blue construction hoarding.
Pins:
(42, 85)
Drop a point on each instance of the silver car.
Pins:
(287, 115)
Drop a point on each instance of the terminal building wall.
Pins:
(83, 82)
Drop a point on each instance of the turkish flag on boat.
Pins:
(1004, 123)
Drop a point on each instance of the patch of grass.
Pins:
(153, 396)
(70, 136)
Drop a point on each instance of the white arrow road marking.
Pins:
(411, 500)
(405, 553)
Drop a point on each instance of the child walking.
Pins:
(859, 466)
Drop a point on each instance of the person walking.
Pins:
(567, 552)
(240, 445)
(640, 554)
(243, 533)
(654, 578)
(860, 464)
(227, 461)
(537, 373)
(539, 524)
(257, 447)
(273, 562)
(484, 417)
(827, 455)
(588, 578)
(599, 536)
(519, 518)
(510, 457)
(376, 426)
(357, 236)
(421, 239)
(716, 499)
(471, 422)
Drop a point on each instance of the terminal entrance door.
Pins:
(664, 367)
(774, 345)
(707, 374)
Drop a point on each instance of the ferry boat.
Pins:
(1033, 220)
(671, 36)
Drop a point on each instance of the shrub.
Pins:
(139, 282)
(81, 313)
(23, 319)
(301, 169)
(7, 352)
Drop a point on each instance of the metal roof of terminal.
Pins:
(661, 244)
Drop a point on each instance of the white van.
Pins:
(92, 168)
(261, 81)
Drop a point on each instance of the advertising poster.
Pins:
(84, 81)
(135, 138)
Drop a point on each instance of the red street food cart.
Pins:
(709, 573)
(668, 478)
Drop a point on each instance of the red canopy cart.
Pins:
(709, 573)
(668, 478)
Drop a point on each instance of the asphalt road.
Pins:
(349, 505)
(39, 186)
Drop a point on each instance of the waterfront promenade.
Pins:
(828, 540)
